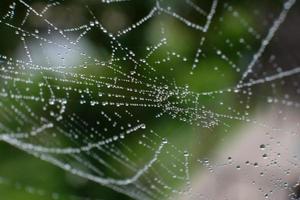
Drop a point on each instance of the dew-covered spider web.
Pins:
(142, 96)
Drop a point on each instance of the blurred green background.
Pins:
(228, 33)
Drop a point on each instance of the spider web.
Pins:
(98, 113)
